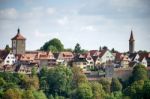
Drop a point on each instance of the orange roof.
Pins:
(18, 36)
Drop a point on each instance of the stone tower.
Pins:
(18, 43)
(131, 43)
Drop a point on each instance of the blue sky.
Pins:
(92, 23)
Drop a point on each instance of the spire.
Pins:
(18, 31)
(131, 36)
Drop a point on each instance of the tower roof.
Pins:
(18, 36)
(131, 36)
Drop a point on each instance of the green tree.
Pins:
(139, 73)
(116, 85)
(106, 84)
(135, 91)
(30, 82)
(51, 97)
(12, 94)
(7, 48)
(39, 95)
(78, 77)
(59, 80)
(84, 91)
(33, 71)
(27, 94)
(77, 48)
(97, 89)
(146, 90)
(52, 44)
(52, 48)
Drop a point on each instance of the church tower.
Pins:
(131, 43)
(18, 43)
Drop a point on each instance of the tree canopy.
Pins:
(53, 45)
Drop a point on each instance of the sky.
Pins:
(91, 23)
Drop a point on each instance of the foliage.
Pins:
(7, 48)
(77, 48)
(78, 77)
(106, 84)
(52, 48)
(84, 91)
(97, 90)
(53, 45)
(59, 80)
(139, 73)
(12, 94)
(135, 90)
(115, 85)
(146, 89)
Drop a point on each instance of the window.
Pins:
(7, 61)
(8, 57)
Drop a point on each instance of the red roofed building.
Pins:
(18, 43)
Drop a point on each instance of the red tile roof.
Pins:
(18, 36)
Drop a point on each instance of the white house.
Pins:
(143, 61)
(10, 59)
(106, 56)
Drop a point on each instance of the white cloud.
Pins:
(63, 21)
(50, 11)
(39, 34)
(9, 13)
(88, 28)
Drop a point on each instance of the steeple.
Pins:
(131, 43)
(18, 31)
(131, 36)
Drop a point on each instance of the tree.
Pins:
(106, 84)
(30, 82)
(27, 94)
(116, 85)
(105, 48)
(52, 48)
(54, 45)
(78, 77)
(84, 91)
(146, 90)
(135, 91)
(39, 95)
(12, 94)
(33, 71)
(97, 90)
(59, 80)
(77, 48)
(51, 97)
(139, 73)
(7, 48)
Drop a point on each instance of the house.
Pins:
(122, 60)
(38, 57)
(63, 57)
(89, 59)
(106, 56)
(26, 69)
(141, 58)
(80, 61)
(10, 59)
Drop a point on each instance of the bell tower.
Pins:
(18, 43)
(131, 43)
